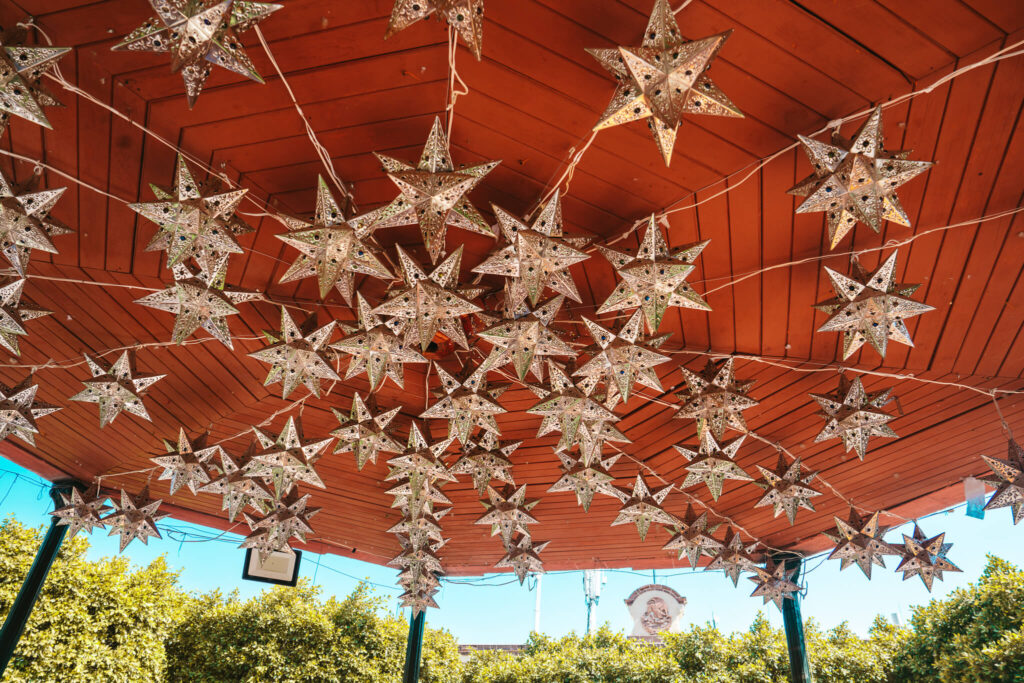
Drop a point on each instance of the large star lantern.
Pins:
(643, 507)
(423, 529)
(925, 557)
(81, 511)
(508, 513)
(692, 538)
(859, 541)
(715, 399)
(235, 486)
(774, 583)
(1008, 478)
(287, 458)
(856, 180)
(134, 517)
(433, 194)
(25, 223)
(19, 411)
(525, 337)
(524, 558)
(289, 519)
(486, 459)
(734, 558)
(467, 402)
(418, 469)
(663, 80)
(565, 407)
(186, 462)
(364, 433)
(21, 69)
(379, 348)
(786, 488)
(116, 387)
(585, 479)
(13, 313)
(713, 463)
(870, 307)
(465, 16)
(853, 415)
(298, 355)
(199, 35)
(622, 359)
(654, 278)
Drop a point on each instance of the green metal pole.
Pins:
(14, 625)
(414, 648)
(799, 667)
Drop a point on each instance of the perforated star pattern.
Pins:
(734, 558)
(13, 313)
(925, 557)
(785, 488)
(134, 517)
(691, 537)
(25, 223)
(1008, 478)
(642, 507)
(467, 402)
(288, 519)
(585, 479)
(525, 337)
(565, 407)
(486, 459)
(622, 359)
(378, 348)
(466, 16)
(715, 399)
(237, 488)
(19, 411)
(81, 511)
(364, 433)
(774, 583)
(853, 415)
(859, 541)
(298, 355)
(186, 462)
(524, 558)
(508, 513)
(21, 69)
(287, 458)
(116, 387)
(712, 463)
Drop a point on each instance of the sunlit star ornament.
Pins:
(333, 250)
(853, 415)
(715, 399)
(856, 180)
(466, 402)
(1008, 478)
(236, 488)
(193, 220)
(116, 387)
(199, 35)
(134, 517)
(859, 541)
(298, 355)
(81, 511)
(654, 278)
(433, 194)
(642, 507)
(186, 462)
(19, 411)
(21, 69)
(774, 583)
(288, 519)
(486, 459)
(692, 538)
(508, 513)
(364, 433)
(712, 463)
(786, 488)
(663, 79)
(418, 471)
(524, 337)
(198, 301)
(13, 313)
(591, 438)
(870, 307)
(565, 407)
(623, 359)
(25, 223)
(539, 255)
(379, 349)
(585, 479)
(524, 558)
(433, 302)
(925, 557)
(287, 458)
(465, 16)
(734, 558)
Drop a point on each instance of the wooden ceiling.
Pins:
(790, 66)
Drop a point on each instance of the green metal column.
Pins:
(799, 668)
(414, 648)
(26, 600)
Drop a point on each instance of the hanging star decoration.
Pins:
(22, 67)
(13, 313)
(734, 557)
(116, 387)
(925, 557)
(715, 399)
(622, 359)
(433, 194)
(197, 300)
(786, 488)
(194, 220)
(565, 407)
(288, 519)
(364, 433)
(585, 478)
(333, 250)
(692, 538)
(853, 415)
(186, 462)
(859, 541)
(467, 402)
(465, 16)
(287, 458)
(508, 513)
(523, 558)
(236, 487)
(712, 463)
(525, 337)
(19, 411)
(663, 80)
(420, 568)
(856, 180)
(25, 223)
(421, 459)
(199, 35)
(654, 278)
(591, 437)
(432, 303)
(539, 255)
(870, 307)
(423, 529)
(642, 507)
(81, 511)
(134, 517)
(1008, 478)
(486, 459)
(379, 349)
(774, 583)
(298, 355)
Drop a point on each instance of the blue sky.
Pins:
(495, 609)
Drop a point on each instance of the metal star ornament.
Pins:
(298, 355)
(200, 35)
(1008, 478)
(287, 458)
(508, 513)
(786, 488)
(21, 69)
(332, 249)
(642, 507)
(774, 583)
(116, 387)
(539, 255)
(856, 180)
(289, 519)
(364, 433)
(712, 463)
(186, 462)
(134, 517)
(664, 79)
(25, 223)
(525, 337)
(734, 558)
(433, 194)
(82, 511)
(585, 479)
(236, 487)
(859, 541)
(654, 278)
(19, 411)
(853, 415)
(13, 313)
(622, 359)
(870, 307)
(524, 558)
(465, 16)
(715, 399)
(467, 402)
(486, 459)
(565, 407)
(692, 538)
(925, 557)
(379, 349)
